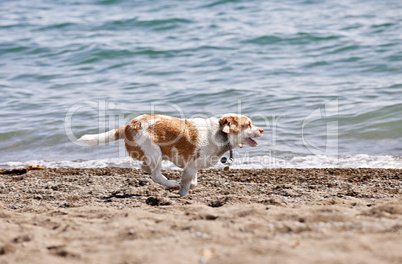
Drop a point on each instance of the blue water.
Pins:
(323, 78)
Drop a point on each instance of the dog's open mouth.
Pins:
(251, 142)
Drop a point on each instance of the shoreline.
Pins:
(118, 215)
(241, 161)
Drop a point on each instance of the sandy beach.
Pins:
(118, 215)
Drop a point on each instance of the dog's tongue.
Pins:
(240, 145)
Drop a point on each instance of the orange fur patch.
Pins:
(132, 147)
(234, 124)
(175, 137)
(120, 133)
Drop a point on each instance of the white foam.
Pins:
(96, 163)
(349, 161)
(257, 162)
(315, 161)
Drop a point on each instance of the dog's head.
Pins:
(240, 130)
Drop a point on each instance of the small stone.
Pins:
(157, 201)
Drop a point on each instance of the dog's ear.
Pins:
(226, 128)
(233, 127)
(229, 124)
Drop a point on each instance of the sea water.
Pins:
(323, 78)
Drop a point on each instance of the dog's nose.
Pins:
(261, 130)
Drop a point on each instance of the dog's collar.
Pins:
(224, 159)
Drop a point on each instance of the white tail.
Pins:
(99, 139)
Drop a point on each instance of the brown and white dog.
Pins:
(191, 144)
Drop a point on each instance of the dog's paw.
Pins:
(183, 192)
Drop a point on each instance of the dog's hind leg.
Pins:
(146, 168)
(153, 165)
(157, 176)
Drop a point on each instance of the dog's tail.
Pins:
(103, 138)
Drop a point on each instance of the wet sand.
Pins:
(115, 215)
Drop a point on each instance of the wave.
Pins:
(155, 24)
(258, 162)
(296, 39)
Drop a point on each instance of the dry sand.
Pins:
(116, 215)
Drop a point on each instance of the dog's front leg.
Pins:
(193, 183)
(187, 178)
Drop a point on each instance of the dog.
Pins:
(191, 144)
